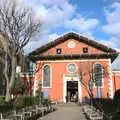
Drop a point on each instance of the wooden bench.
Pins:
(29, 112)
(92, 113)
(18, 116)
(53, 105)
(41, 110)
(1, 117)
(6, 116)
(26, 113)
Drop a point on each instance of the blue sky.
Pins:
(96, 19)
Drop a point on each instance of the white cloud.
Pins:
(88, 34)
(58, 14)
(51, 2)
(68, 10)
(40, 40)
(113, 29)
(37, 41)
(55, 16)
(51, 17)
(112, 42)
(53, 36)
(113, 20)
(81, 24)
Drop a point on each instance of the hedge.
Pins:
(5, 107)
(22, 102)
(25, 101)
(109, 106)
(2, 99)
(46, 101)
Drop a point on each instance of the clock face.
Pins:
(71, 44)
(72, 68)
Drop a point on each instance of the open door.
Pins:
(72, 91)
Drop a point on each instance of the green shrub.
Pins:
(39, 98)
(25, 101)
(2, 99)
(19, 103)
(109, 106)
(18, 86)
(46, 101)
(6, 106)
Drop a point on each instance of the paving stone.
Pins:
(69, 111)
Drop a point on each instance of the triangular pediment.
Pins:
(77, 37)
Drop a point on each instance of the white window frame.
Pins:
(71, 44)
(75, 66)
(50, 76)
(102, 77)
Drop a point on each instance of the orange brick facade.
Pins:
(116, 80)
(59, 73)
(77, 50)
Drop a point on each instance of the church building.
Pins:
(74, 65)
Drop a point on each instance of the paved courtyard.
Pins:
(69, 111)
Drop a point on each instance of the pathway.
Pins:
(69, 111)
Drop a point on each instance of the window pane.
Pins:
(46, 76)
(72, 68)
(98, 75)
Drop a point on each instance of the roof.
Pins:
(108, 52)
(72, 35)
(74, 56)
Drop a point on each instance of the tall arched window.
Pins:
(98, 75)
(46, 76)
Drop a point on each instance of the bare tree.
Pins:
(89, 78)
(18, 26)
(37, 83)
(86, 78)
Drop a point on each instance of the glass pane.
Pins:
(98, 75)
(71, 68)
(46, 76)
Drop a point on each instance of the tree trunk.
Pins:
(7, 97)
(7, 94)
(10, 79)
(13, 72)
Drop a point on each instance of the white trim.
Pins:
(50, 75)
(116, 72)
(57, 61)
(110, 81)
(75, 66)
(67, 77)
(71, 44)
(102, 76)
